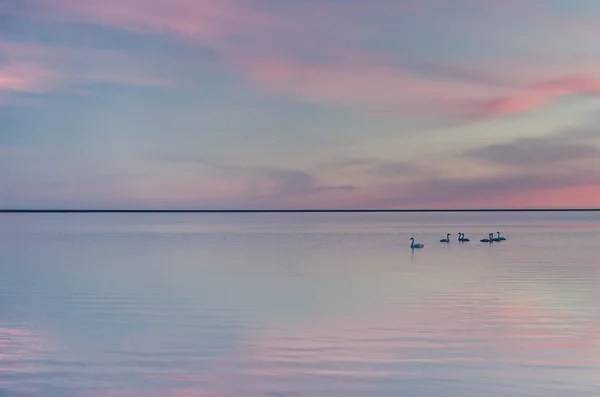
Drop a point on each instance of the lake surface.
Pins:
(215, 305)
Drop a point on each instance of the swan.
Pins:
(490, 238)
(415, 245)
(462, 238)
(446, 240)
(500, 238)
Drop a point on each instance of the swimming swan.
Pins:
(446, 240)
(500, 238)
(462, 238)
(417, 245)
(490, 238)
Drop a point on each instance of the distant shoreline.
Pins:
(172, 211)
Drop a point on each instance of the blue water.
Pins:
(299, 305)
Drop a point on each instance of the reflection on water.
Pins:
(298, 305)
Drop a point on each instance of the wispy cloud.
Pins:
(254, 38)
(265, 182)
(25, 77)
(559, 148)
(295, 183)
(359, 80)
(512, 190)
(388, 64)
(36, 68)
(523, 171)
(555, 164)
(376, 167)
(530, 98)
(200, 19)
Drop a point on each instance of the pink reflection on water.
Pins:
(21, 352)
(147, 392)
(19, 343)
(388, 344)
(491, 332)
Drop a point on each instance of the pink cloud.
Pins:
(257, 42)
(493, 192)
(584, 196)
(274, 29)
(209, 18)
(41, 68)
(364, 81)
(205, 19)
(358, 79)
(25, 77)
(538, 95)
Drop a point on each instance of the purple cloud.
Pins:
(563, 147)
(376, 167)
(503, 191)
(264, 182)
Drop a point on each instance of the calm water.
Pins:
(299, 305)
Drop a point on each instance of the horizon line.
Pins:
(422, 210)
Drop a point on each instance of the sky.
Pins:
(289, 104)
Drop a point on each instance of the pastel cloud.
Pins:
(538, 95)
(24, 77)
(555, 170)
(358, 79)
(204, 19)
(355, 80)
(505, 191)
(546, 171)
(36, 68)
(395, 66)
(560, 148)
(253, 39)
(375, 169)
(267, 185)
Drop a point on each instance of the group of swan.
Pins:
(462, 239)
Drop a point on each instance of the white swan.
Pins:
(415, 245)
(446, 240)
(490, 238)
